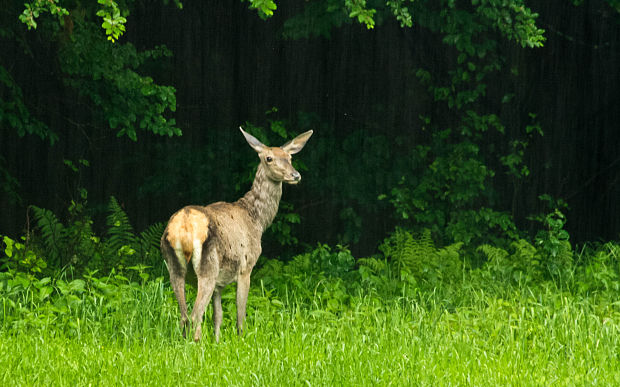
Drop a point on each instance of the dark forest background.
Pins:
(458, 206)
(404, 133)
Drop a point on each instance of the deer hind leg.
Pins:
(177, 268)
(206, 267)
(178, 285)
(217, 313)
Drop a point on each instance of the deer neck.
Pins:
(263, 199)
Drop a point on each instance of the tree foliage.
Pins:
(15, 113)
(106, 72)
(122, 98)
(441, 176)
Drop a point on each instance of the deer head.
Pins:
(276, 161)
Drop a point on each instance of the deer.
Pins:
(223, 240)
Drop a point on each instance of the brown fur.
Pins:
(223, 240)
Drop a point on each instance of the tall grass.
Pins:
(130, 336)
(515, 314)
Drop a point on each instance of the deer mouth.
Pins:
(294, 178)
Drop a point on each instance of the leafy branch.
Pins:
(265, 7)
(113, 22)
(35, 8)
(357, 9)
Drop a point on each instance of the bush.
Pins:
(599, 271)
(413, 263)
(64, 302)
(323, 275)
(55, 246)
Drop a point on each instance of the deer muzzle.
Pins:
(294, 178)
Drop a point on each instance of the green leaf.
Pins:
(8, 250)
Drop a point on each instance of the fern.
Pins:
(519, 265)
(375, 265)
(525, 257)
(120, 232)
(149, 244)
(124, 247)
(74, 243)
(449, 262)
(493, 254)
(409, 254)
(150, 238)
(52, 233)
(417, 260)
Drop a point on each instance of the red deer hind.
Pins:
(223, 240)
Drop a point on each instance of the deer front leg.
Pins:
(243, 287)
(217, 313)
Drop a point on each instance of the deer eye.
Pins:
(269, 159)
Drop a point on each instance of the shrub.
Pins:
(412, 261)
(58, 246)
(323, 275)
(599, 271)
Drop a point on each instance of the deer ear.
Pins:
(297, 144)
(254, 143)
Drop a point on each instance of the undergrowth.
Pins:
(526, 312)
(317, 320)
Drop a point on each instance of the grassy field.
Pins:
(88, 338)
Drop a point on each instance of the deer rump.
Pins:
(217, 239)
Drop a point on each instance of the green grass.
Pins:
(547, 339)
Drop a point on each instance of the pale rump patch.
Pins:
(187, 231)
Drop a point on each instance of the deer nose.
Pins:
(296, 176)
